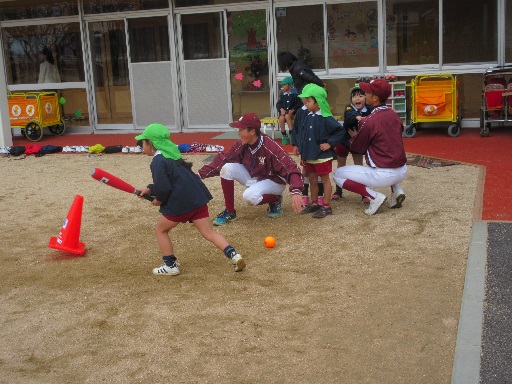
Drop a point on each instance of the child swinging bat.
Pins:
(181, 196)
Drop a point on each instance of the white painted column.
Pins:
(5, 122)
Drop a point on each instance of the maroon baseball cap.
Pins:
(378, 87)
(248, 120)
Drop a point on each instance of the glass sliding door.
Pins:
(204, 71)
(109, 58)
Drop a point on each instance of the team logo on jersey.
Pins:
(262, 160)
(349, 108)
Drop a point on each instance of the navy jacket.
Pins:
(178, 188)
(288, 101)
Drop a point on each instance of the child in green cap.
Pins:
(319, 134)
(181, 196)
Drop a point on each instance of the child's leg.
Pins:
(205, 228)
(289, 120)
(313, 186)
(282, 120)
(170, 267)
(162, 229)
(326, 181)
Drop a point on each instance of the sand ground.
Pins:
(345, 299)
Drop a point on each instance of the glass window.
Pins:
(300, 30)
(352, 30)
(194, 3)
(469, 30)
(412, 32)
(202, 36)
(32, 9)
(248, 62)
(23, 45)
(104, 6)
(149, 39)
(508, 32)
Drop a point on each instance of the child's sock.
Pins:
(229, 251)
(169, 260)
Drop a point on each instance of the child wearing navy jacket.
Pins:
(318, 134)
(181, 197)
(286, 106)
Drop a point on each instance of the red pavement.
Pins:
(494, 153)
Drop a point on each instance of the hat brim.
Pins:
(238, 124)
(140, 137)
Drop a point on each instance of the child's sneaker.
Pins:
(320, 200)
(165, 269)
(238, 262)
(311, 208)
(305, 200)
(284, 139)
(224, 217)
(322, 212)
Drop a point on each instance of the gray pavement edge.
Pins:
(466, 363)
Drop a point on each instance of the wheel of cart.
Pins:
(33, 111)
(58, 129)
(434, 99)
(496, 106)
(33, 131)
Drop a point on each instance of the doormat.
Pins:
(428, 162)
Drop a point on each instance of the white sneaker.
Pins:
(238, 262)
(397, 198)
(164, 269)
(137, 149)
(125, 150)
(375, 204)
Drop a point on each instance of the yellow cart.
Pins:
(434, 99)
(33, 111)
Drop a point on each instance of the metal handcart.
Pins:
(496, 98)
(434, 99)
(33, 111)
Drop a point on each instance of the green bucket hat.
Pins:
(320, 95)
(159, 137)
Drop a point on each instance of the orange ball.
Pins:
(270, 242)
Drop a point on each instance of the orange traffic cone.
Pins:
(70, 233)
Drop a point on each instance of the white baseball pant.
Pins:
(255, 189)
